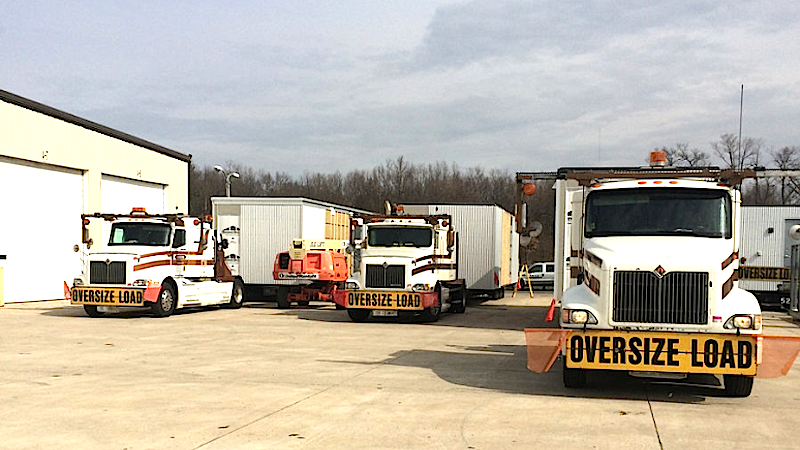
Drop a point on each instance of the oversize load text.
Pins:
(110, 297)
(679, 353)
(384, 300)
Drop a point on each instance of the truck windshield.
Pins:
(400, 237)
(140, 233)
(658, 212)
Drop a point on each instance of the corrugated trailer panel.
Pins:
(762, 248)
(261, 239)
(265, 226)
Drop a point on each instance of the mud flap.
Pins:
(544, 345)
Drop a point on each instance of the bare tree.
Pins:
(788, 158)
(735, 156)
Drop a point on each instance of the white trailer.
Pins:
(768, 233)
(488, 244)
(258, 228)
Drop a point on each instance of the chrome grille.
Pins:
(102, 273)
(675, 298)
(379, 276)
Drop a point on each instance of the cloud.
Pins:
(515, 85)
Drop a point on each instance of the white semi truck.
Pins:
(164, 262)
(646, 274)
(408, 266)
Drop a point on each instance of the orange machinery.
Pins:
(315, 262)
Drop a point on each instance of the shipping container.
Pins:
(768, 233)
(258, 228)
(488, 243)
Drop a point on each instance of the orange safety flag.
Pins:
(544, 345)
(776, 355)
(67, 292)
(551, 312)
(152, 291)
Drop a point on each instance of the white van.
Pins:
(541, 275)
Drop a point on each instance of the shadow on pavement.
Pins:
(503, 368)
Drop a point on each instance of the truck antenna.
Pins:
(741, 108)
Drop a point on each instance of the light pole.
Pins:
(227, 179)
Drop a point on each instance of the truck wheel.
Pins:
(738, 385)
(91, 311)
(237, 295)
(432, 313)
(573, 378)
(167, 300)
(499, 293)
(282, 297)
(359, 315)
(459, 305)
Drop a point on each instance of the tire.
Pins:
(167, 301)
(283, 293)
(499, 293)
(91, 311)
(459, 306)
(303, 304)
(237, 295)
(359, 315)
(432, 313)
(573, 378)
(738, 385)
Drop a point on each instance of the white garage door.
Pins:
(120, 195)
(41, 223)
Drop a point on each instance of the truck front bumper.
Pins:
(107, 295)
(711, 353)
(388, 300)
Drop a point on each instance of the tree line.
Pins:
(751, 153)
(396, 180)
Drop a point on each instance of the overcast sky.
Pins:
(321, 86)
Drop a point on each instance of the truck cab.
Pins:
(163, 262)
(407, 266)
(647, 263)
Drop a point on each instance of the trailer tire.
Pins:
(91, 311)
(573, 378)
(459, 306)
(738, 385)
(282, 297)
(499, 293)
(237, 295)
(358, 315)
(167, 301)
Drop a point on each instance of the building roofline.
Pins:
(89, 125)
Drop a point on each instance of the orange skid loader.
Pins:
(314, 262)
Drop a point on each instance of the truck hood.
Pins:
(648, 252)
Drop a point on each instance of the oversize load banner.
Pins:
(662, 352)
(86, 295)
(384, 300)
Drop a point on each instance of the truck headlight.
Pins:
(420, 287)
(77, 281)
(577, 316)
(141, 282)
(351, 286)
(744, 322)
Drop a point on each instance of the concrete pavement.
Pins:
(263, 378)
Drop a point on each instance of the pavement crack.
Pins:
(653, 416)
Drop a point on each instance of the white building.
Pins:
(55, 166)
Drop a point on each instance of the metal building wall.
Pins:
(37, 137)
